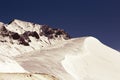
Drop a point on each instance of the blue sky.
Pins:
(100, 19)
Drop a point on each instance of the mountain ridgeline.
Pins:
(11, 31)
(30, 49)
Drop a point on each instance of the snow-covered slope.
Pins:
(19, 37)
(28, 47)
(9, 65)
(76, 59)
(95, 62)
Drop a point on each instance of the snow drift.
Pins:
(51, 51)
(75, 59)
(95, 62)
(9, 65)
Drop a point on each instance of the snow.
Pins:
(84, 58)
(76, 59)
(8, 65)
(26, 76)
(99, 62)
(22, 26)
(11, 47)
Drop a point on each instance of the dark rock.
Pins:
(53, 33)
(50, 33)
(22, 41)
(25, 35)
(15, 35)
(35, 34)
(2, 28)
(3, 31)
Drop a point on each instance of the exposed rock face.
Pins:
(23, 38)
(3, 31)
(53, 33)
(15, 35)
(20, 33)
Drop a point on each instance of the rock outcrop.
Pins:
(20, 33)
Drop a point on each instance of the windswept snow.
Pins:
(20, 27)
(98, 62)
(32, 48)
(8, 65)
(76, 59)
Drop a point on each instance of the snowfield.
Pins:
(8, 65)
(27, 48)
(76, 59)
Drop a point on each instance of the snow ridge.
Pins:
(28, 47)
(93, 61)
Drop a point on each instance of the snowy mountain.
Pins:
(27, 35)
(26, 48)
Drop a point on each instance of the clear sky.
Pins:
(98, 18)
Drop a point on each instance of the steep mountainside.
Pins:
(27, 35)
(31, 51)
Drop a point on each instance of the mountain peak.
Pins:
(21, 33)
(21, 27)
(15, 21)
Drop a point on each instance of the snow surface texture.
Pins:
(9, 65)
(25, 76)
(84, 58)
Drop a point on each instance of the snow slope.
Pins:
(26, 76)
(75, 59)
(28, 47)
(95, 62)
(8, 65)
